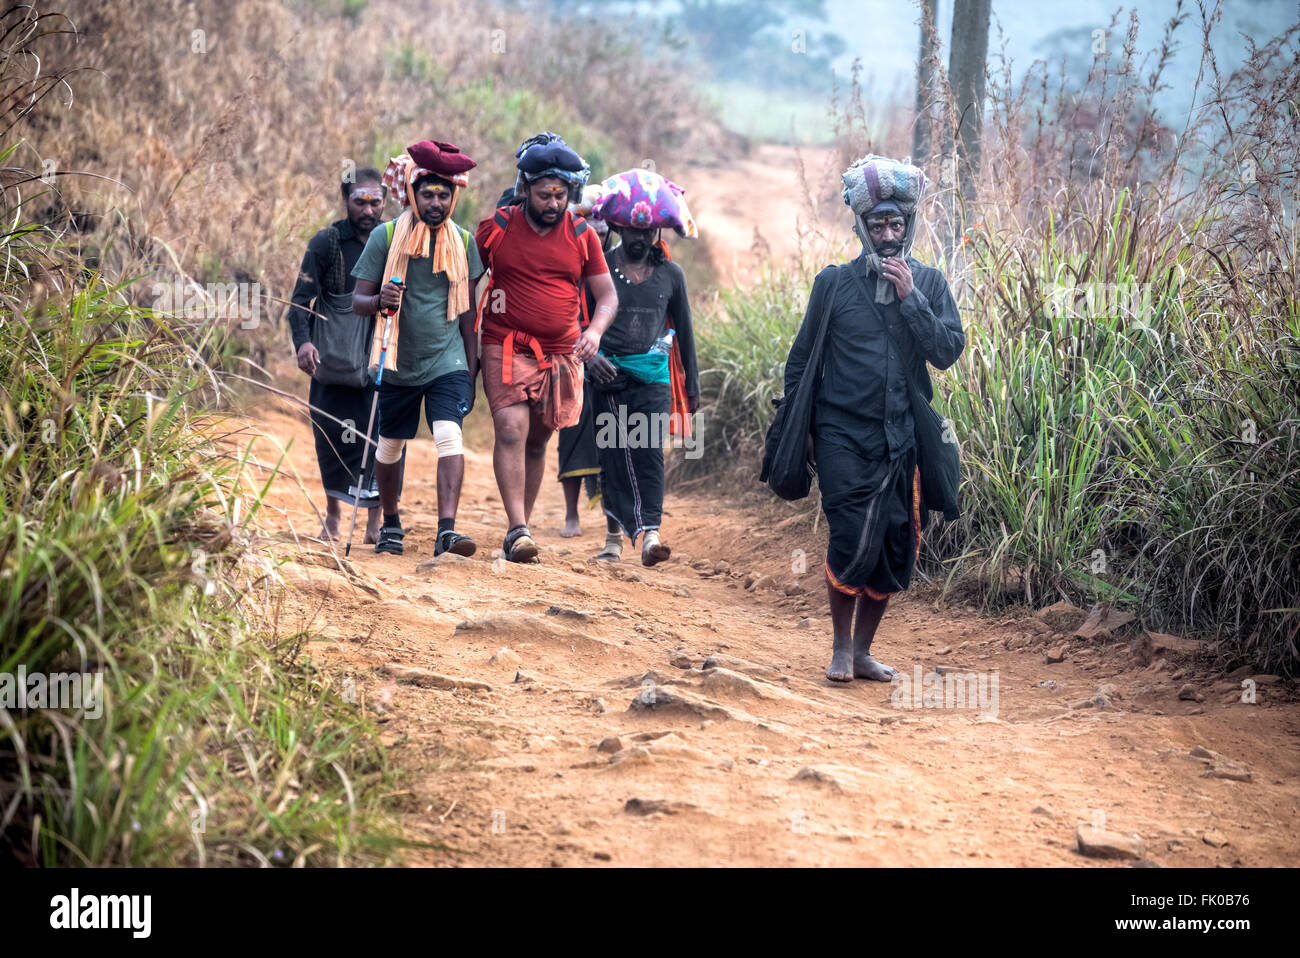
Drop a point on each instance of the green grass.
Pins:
(128, 551)
(125, 525)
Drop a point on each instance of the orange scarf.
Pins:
(679, 418)
(412, 238)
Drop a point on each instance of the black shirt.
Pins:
(314, 274)
(862, 402)
(643, 312)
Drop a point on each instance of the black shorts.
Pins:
(446, 397)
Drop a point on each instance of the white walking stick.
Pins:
(374, 407)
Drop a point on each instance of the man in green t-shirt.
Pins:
(433, 354)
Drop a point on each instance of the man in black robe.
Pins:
(888, 313)
(338, 412)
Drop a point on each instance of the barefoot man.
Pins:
(863, 434)
(533, 348)
(432, 353)
(340, 393)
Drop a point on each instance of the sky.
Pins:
(1036, 29)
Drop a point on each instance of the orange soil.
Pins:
(510, 773)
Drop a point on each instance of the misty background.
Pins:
(770, 66)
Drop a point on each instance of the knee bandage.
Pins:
(446, 436)
(389, 450)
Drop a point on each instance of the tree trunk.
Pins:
(926, 85)
(970, 48)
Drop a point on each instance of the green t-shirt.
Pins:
(428, 346)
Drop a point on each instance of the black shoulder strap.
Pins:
(334, 278)
(826, 317)
(579, 226)
(818, 356)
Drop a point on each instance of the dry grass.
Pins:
(1127, 402)
(223, 149)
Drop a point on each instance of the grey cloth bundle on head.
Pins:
(873, 180)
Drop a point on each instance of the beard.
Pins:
(365, 224)
(544, 217)
(433, 217)
(636, 251)
(885, 250)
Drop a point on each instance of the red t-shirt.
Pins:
(535, 281)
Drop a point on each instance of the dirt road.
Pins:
(755, 211)
(558, 714)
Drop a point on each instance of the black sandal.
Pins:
(455, 543)
(390, 540)
(519, 545)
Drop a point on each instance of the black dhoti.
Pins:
(872, 509)
(339, 415)
(577, 451)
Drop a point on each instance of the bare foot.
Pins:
(865, 667)
(373, 522)
(841, 667)
(571, 528)
(330, 530)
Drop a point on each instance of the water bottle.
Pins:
(664, 344)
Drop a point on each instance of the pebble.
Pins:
(1054, 655)
(567, 613)
(1188, 693)
(610, 745)
(1098, 843)
(680, 659)
(505, 656)
(819, 776)
(639, 755)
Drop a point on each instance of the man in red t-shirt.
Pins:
(533, 347)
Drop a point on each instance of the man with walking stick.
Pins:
(431, 356)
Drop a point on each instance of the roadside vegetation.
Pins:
(1129, 397)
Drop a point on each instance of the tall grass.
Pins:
(127, 520)
(222, 129)
(1127, 403)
